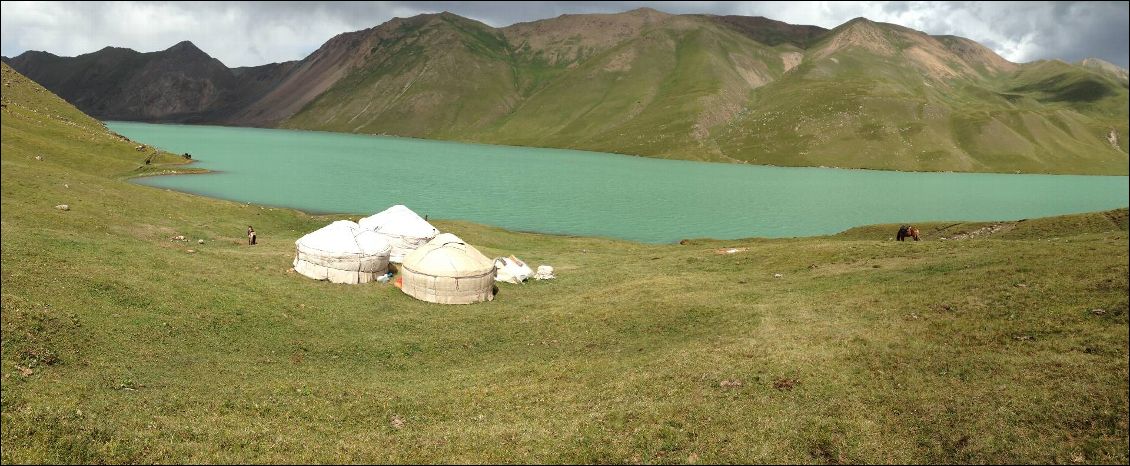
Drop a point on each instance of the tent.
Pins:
(342, 252)
(448, 271)
(403, 229)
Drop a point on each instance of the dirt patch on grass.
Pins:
(146, 231)
(983, 231)
(785, 384)
(621, 61)
(790, 60)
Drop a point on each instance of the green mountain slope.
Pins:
(698, 87)
(437, 75)
(864, 95)
(876, 95)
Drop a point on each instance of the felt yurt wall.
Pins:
(342, 252)
(447, 270)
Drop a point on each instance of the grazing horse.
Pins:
(906, 231)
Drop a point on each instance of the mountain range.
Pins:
(700, 87)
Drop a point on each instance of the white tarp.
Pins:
(403, 229)
(511, 270)
(342, 252)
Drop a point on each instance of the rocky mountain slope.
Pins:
(700, 87)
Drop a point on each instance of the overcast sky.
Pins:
(256, 33)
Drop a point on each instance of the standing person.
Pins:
(250, 235)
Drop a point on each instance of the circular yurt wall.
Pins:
(448, 271)
(342, 252)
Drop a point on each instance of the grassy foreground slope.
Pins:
(120, 345)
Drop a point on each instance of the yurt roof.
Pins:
(399, 220)
(448, 256)
(344, 236)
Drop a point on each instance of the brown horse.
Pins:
(906, 231)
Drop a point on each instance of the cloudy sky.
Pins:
(255, 33)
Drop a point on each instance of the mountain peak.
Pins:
(1105, 67)
(1099, 63)
(645, 11)
(184, 46)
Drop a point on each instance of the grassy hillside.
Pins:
(643, 82)
(120, 344)
(868, 96)
(864, 95)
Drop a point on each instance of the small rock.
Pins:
(1098, 311)
(39, 157)
(178, 238)
(66, 186)
(63, 207)
(397, 422)
(190, 251)
(1021, 285)
(1024, 337)
(25, 371)
(199, 241)
(777, 275)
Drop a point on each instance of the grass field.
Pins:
(122, 345)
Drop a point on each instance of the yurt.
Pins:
(342, 252)
(448, 271)
(403, 229)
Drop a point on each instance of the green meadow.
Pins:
(1003, 343)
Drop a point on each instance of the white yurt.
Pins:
(342, 252)
(403, 229)
(448, 271)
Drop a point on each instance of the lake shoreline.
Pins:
(734, 162)
(584, 193)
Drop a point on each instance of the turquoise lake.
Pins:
(594, 194)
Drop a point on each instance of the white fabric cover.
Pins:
(511, 270)
(403, 229)
(342, 252)
(545, 272)
(448, 271)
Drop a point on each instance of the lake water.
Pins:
(594, 194)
